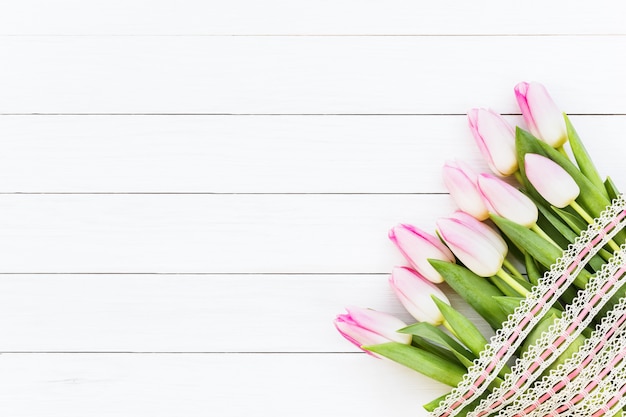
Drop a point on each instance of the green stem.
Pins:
(447, 325)
(544, 236)
(518, 176)
(512, 269)
(561, 149)
(589, 220)
(512, 283)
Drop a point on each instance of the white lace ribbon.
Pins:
(532, 309)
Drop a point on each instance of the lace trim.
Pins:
(559, 336)
(582, 374)
(532, 309)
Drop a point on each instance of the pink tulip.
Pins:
(417, 247)
(495, 139)
(543, 117)
(365, 327)
(486, 231)
(461, 182)
(476, 245)
(507, 201)
(414, 292)
(550, 180)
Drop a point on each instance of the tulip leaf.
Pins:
(464, 329)
(611, 188)
(578, 225)
(475, 290)
(436, 349)
(435, 335)
(421, 361)
(585, 164)
(532, 270)
(565, 235)
(544, 252)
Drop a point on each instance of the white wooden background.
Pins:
(191, 190)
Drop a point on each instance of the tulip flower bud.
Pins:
(365, 327)
(460, 181)
(495, 139)
(507, 201)
(418, 247)
(475, 248)
(550, 180)
(487, 232)
(543, 117)
(414, 292)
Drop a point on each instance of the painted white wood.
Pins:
(188, 313)
(371, 75)
(207, 233)
(256, 154)
(200, 385)
(246, 17)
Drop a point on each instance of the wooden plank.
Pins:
(157, 385)
(219, 154)
(280, 75)
(245, 17)
(207, 233)
(187, 313)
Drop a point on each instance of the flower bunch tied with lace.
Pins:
(536, 248)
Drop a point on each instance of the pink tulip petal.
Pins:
(414, 292)
(507, 201)
(417, 247)
(461, 183)
(550, 180)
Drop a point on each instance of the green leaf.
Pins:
(435, 335)
(611, 188)
(562, 229)
(421, 361)
(574, 222)
(532, 269)
(585, 164)
(436, 349)
(464, 329)
(475, 290)
(542, 251)
(578, 225)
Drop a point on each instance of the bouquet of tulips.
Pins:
(537, 249)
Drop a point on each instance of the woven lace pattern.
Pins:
(559, 336)
(580, 374)
(530, 311)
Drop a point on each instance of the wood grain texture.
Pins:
(188, 313)
(190, 191)
(303, 75)
(325, 17)
(207, 233)
(253, 154)
(199, 385)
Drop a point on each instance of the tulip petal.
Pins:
(485, 231)
(507, 201)
(460, 181)
(550, 180)
(384, 324)
(417, 247)
(495, 139)
(473, 250)
(414, 293)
